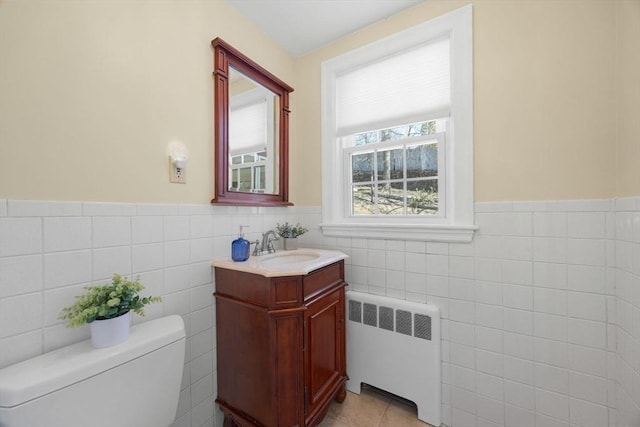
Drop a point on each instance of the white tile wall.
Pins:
(50, 250)
(626, 316)
(541, 312)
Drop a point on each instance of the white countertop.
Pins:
(284, 263)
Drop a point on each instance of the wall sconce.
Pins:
(178, 158)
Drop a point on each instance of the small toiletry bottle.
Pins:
(240, 247)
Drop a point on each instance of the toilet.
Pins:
(133, 384)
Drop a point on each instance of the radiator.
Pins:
(394, 345)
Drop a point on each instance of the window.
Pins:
(247, 172)
(396, 171)
(397, 135)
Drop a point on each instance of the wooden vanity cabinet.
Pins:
(280, 346)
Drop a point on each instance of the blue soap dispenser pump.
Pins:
(240, 247)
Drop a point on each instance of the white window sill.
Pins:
(423, 232)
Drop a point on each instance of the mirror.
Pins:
(251, 126)
(253, 130)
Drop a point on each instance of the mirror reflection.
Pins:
(253, 136)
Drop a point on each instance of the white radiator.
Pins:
(394, 345)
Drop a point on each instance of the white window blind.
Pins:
(409, 87)
(248, 128)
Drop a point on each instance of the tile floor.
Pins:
(372, 408)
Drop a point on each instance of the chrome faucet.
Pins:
(267, 242)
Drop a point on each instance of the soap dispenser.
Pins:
(240, 247)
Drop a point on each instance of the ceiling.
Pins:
(302, 26)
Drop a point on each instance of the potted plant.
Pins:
(289, 234)
(107, 309)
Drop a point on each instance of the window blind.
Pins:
(408, 87)
(248, 128)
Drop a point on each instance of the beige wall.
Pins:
(92, 92)
(544, 100)
(628, 112)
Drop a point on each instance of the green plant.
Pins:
(107, 301)
(289, 231)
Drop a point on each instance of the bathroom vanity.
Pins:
(280, 338)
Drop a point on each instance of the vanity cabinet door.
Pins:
(323, 352)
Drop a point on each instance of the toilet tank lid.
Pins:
(60, 368)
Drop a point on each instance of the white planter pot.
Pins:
(290, 243)
(105, 333)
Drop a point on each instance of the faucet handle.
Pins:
(256, 250)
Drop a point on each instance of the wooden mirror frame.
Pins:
(226, 56)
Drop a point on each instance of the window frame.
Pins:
(457, 223)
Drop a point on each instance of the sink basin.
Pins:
(284, 263)
(289, 258)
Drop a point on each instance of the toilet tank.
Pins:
(133, 384)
